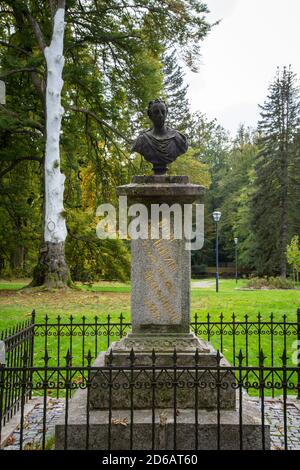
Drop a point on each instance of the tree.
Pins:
(112, 68)
(212, 144)
(175, 90)
(52, 270)
(271, 204)
(293, 256)
(235, 181)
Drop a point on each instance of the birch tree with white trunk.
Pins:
(52, 270)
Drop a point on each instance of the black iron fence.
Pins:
(18, 340)
(55, 358)
(179, 400)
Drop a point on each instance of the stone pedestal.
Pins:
(160, 315)
(161, 268)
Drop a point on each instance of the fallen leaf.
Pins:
(10, 441)
(162, 419)
(78, 381)
(123, 421)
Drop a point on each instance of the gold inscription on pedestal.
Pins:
(158, 255)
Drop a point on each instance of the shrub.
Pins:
(270, 283)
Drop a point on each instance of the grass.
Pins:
(112, 298)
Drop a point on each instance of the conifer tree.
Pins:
(179, 116)
(274, 173)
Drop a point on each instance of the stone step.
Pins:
(163, 427)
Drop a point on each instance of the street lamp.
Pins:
(236, 240)
(217, 217)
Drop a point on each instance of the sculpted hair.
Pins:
(153, 102)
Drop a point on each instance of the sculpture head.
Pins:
(157, 112)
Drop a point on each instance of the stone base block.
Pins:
(120, 429)
(163, 392)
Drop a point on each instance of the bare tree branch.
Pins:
(100, 121)
(17, 161)
(37, 31)
(24, 69)
(7, 44)
(24, 122)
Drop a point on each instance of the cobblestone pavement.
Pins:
(275, 417)
(33, 424)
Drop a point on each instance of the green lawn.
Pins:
(113, 298)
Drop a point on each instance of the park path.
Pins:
(202, 284)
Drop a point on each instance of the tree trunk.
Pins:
(283, 228)
(285, 96)
(52, 270)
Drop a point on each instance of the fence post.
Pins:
(32, 350)
(2, 411)
(298, 351)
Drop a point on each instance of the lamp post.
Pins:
(217, 217)
(236, 240)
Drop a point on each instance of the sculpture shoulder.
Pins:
(181, 139)
(180, 135)
(139, 140)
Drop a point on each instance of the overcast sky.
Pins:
(240, 56)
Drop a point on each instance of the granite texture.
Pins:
(160, 268)
(163, 424)
(160, 279)
(142, 380)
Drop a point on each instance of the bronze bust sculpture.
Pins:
(160, 145)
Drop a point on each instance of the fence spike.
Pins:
(261, 357)
(218, 357)
(153, 356)
(25, 358)
(284, 357)
(110, 357)
(175, 356)
(68, 357)
(240, 357)
(46, 357)
(196, 356)
(89, 357)
(132, 356)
